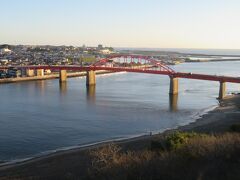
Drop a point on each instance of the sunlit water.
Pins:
(41, 116)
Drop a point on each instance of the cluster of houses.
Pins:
(15, 55)
(55, 55)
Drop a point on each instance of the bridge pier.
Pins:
(173, 86)
(62, 76)
(40, 72)
(222, 90)
(29, 72)
(91, 78)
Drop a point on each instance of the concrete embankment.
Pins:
(55, 76)
(45, 77)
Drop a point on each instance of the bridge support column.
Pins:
(91, 78)
(30, 72)
(40, 72)
(173, 86)
(222, 90)
(62, 76)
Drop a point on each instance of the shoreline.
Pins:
(227, 112)
(55, 76)
(68, 150)
(214, 121)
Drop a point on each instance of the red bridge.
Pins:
(136, 64)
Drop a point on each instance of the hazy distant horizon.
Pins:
(231, 52)
(136, 23)
(205, 51)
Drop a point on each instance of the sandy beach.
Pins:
(76, 161)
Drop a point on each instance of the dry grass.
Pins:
(235, 127)
(193, 157)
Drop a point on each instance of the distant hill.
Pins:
(5, 46)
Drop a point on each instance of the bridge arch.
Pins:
(128, 61)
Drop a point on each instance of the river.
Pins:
(41, 116)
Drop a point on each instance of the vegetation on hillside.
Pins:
(89, 59)
(177, 156)
(235, 128)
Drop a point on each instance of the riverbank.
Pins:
(77, 161)
(46, 77)
(56, 75)
(218, 120)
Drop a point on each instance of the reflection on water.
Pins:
(173, 102)
(91, 94)
(40, 86)
(63, 88)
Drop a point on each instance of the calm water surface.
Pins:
(42, 116)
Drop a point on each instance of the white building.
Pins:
(105, 51)
(3, 61)
(5, 50)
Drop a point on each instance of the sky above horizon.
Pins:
(124, 23)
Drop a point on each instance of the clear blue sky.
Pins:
(122, 23)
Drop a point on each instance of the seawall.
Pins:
(45, 77)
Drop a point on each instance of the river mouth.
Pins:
(42, 116)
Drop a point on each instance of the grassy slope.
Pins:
(182, 157)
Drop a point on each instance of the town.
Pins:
(22, 55)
